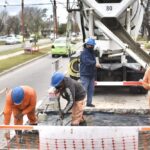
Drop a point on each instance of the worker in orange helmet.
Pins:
(20, 101)
(146, 82)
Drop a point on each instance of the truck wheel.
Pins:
(53, 55)
(138, 90)
(143, 91)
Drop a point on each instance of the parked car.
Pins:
(3, 39)
(19, 38)
(11, 40)
(52, 36)
(60, 48)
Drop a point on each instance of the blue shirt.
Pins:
(87, 63)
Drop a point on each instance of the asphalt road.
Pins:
(9, 47)
(36, 74)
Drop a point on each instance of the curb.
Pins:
(141, 112)
(104, 111)
(21, 65)
(119, 111)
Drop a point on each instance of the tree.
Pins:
(3, 18)
(1, 25)
(13, 25)
(34, 19)
(146, 22)
(62, 28)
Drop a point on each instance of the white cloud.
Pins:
(13, 10)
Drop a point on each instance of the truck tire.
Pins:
(135, 76)
(138, 90)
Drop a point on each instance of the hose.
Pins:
(73, 68)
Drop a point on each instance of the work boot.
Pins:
(35, 131)
(32, 131)
(90, 105)
(34, 124)
(18, 132)
(74, 125)
(83, 123)
(19, 136)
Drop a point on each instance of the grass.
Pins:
(16, 60)
(140, 38)
(147, 45)
(10, 51)
(2, 42)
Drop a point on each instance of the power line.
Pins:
(58, 3)
(27, 4)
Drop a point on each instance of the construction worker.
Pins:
(146, 82)
(74, 93)
(20, 101)
(88, 69)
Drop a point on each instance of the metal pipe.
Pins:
(91, 26)
(129, 20)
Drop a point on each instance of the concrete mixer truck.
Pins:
(115, 24)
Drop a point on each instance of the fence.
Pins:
(71, 138)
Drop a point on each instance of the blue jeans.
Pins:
(88, 84)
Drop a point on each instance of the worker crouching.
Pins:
(20, 101)
(74, 93)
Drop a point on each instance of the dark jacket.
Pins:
(72, 92)
(87, 63)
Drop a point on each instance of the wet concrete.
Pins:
(101, 119)
(110, 119)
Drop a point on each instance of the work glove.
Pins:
(19, 116)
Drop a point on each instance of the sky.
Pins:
(13, 10)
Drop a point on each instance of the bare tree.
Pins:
(13, 25)
(3, 18)
(33, 18)
(146, 22)
(34, 21)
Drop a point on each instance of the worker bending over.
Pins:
(74, 93)
(20, 101)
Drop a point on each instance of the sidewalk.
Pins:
(20, 52)
(11, 55)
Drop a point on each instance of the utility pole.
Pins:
(5, 11)
(55, 18)
(22, 19)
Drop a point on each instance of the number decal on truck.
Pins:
(108, 8)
